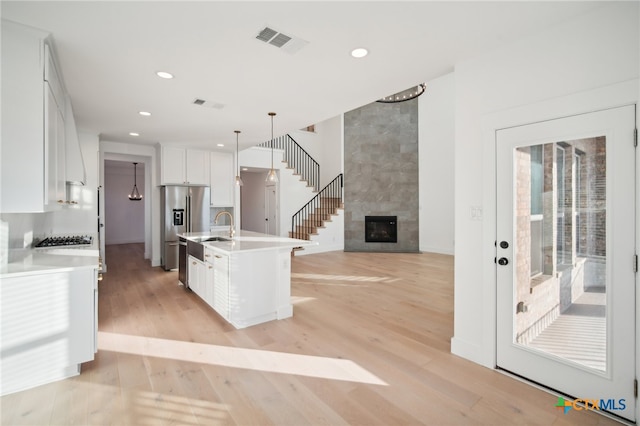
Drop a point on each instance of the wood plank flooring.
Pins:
(368, 345)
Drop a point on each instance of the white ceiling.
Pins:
(109, 52)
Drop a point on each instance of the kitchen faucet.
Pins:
(231, 231)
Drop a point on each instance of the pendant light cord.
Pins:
(272, 114)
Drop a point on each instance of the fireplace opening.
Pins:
(381, 229)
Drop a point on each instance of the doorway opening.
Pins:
(120, 220)
(259, 201)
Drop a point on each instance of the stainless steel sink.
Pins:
(210, 239)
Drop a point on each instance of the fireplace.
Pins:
(381, 229)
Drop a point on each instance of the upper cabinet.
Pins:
(222, 179)
(76, 169)
(36, 124)
(180, 166)
(54, 135)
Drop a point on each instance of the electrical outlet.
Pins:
(476, 212)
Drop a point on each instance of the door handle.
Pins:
(503, 261)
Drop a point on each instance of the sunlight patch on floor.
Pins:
(343, 277)
(150, 408)
(298, 300)
(252, 359)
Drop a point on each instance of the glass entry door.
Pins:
(566, 256)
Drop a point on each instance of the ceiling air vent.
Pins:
(207, 104)
(266, 34)
(289, 44)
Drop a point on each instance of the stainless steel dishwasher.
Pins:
(182, 262)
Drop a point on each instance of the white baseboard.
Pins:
(322, 248)
(470, 351)
(438, 250)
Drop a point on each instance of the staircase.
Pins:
(318, 210)
(297, 159)
(313, 215)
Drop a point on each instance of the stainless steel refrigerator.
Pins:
(185, 209)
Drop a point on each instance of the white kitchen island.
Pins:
(247, 278)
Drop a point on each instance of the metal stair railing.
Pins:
(317, 210)
(297, 158)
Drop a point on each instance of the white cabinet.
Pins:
(55, 152)
(208, 287)
(35, 123)
(209, 262)
(54, 136)
(197, 276)
(222, 179)
(215, 285)
(180, 166)
(48, 326)
(75, 167)
(221, 281)
(23, 176)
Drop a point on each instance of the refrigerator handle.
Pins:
(189, 225)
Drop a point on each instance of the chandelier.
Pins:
(135, 194)
(404, 95)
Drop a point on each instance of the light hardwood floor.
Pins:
(368, 345)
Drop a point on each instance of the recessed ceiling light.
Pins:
(145, 113)
(244, 169)
(164, 74)
(360, 52)
(134, 134)
(220, 145)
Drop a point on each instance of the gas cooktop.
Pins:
(72, 240)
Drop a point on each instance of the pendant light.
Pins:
(272, 176)
(135, 194)
(238, 178)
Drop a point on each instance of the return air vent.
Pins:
(289, 44)
(207, 104)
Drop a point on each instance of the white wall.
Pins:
(436, 123)
(125, 218)
(595, 50)
(325, 145)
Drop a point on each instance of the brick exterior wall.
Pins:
(574, 230)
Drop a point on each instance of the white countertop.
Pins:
(30, 261)
(244, 241)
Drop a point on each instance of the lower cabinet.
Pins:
(48, 327)
(221, 285)
(216, 289)
(246, 287)
(197, 276)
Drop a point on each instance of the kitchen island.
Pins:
(245, 278)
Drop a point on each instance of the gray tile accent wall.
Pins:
(381, 173)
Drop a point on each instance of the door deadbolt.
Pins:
(504, 244)
(503, 261)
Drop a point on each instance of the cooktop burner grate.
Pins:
(74, 240)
